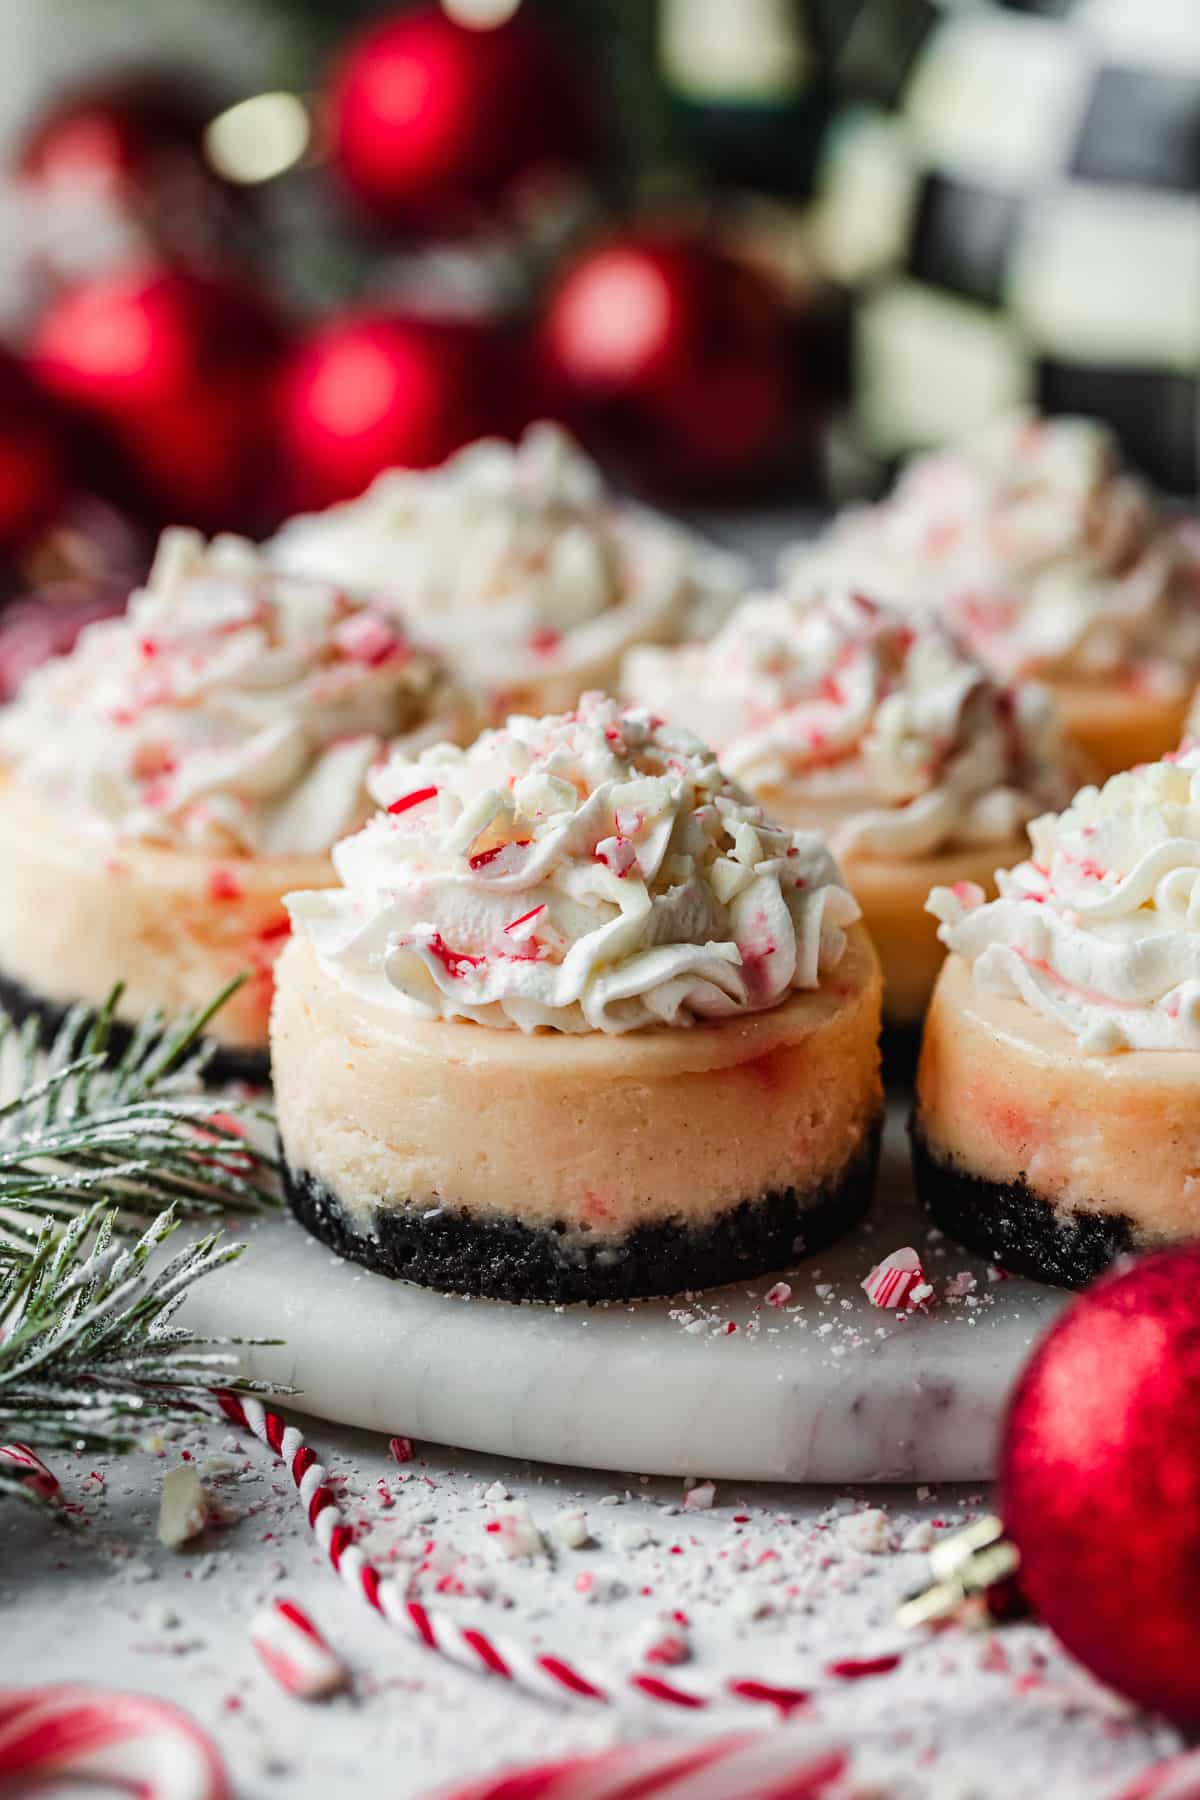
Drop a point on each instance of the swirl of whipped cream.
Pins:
(516, 564)
(877, 720)
(231, 709)
(1100, 929)
(1047, 557)
(593, 871)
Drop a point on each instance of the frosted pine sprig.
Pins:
(139, 1132)
(89, 1354)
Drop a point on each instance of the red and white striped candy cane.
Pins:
(786, 1764)
(1176, 1779)
(89, 1736)
(554, 1677)
(295, 1653)
(30, 1469)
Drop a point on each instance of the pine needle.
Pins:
(89, 1353)
(139, 1133)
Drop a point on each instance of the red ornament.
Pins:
(33, 458)
(669, 358)
(1101, 1481)
(116, 168)
(377, 391)
(432, 123)
(113, 134)
(171, 371)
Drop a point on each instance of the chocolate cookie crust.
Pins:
(503, 1259)
(228, 1063)
(1014, 1226)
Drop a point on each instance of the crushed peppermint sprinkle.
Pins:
(233, 709)
(779, 1295)
(223, 884)
(667, 1650)
(1045, 555)
(516, 563)
(899, 1280)
(184, 1506)
(926, 749)
(513, 1527)
(571, 1528)
(401, 1449)
(408, 801)
(662, 894)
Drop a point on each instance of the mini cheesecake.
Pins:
(518, 567)
(1051, 562)
(1056, 1122)
(186, 765)
(579, 1025)
(877, 728)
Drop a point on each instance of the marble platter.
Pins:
(825, 1388)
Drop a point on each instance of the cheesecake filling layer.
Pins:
(79, 912)
(872, 723)
(1099, 931)
(590, 1138)
(233, 710)
(1047, 557)
(1006, 1098)
(518, 565)
(588, 872)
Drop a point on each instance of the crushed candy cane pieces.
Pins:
(899, 1280)
(514, 1530)
(295, 1653)
(184, 1508)
(571, 1528)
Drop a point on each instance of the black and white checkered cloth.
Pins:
(1024, 226)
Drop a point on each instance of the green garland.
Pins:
(89, 1353)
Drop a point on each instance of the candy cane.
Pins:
(764, 1765)
(295, 1653)
(555, 1677)
(124, 1742)
(1176, 1779)
(30, 1469)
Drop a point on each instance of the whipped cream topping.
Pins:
(593, 871)
(1100, 929)
(876, 719)
(1048, 557)
(231, 709)
(515, 562)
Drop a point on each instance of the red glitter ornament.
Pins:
(669, 358)
(1101, 1481)
(171, 372)
(376, 391)
(33, 457)
(432, 124)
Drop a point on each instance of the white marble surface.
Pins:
(825, 1388)
(771, 1581)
